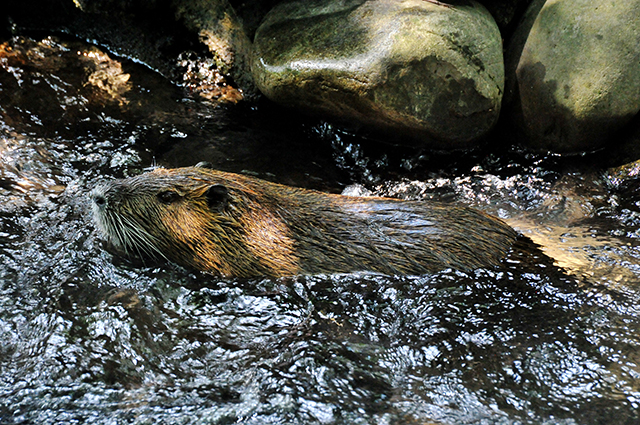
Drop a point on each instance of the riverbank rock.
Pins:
(576, 73)
(223, 33)
(411, 69)
(198, 44)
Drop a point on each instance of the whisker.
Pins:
(141, 239)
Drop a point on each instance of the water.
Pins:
(92, 337)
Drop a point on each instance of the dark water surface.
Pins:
(88, 337)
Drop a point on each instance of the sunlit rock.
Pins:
(575, 78)
(220, 29)
(413, 69)
(162, 35)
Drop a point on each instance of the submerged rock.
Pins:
(412, 69)
(575, 77)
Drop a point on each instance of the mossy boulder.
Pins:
(576, 73)
(408, 70)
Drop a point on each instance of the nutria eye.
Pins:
(168, 197)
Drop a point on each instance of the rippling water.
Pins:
(549, 337)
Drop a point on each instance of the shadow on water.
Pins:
(91, 337)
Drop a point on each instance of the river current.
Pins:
(548, 337)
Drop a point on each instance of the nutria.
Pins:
(238, 226)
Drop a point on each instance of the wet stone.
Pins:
(575, 75)
(413, 70)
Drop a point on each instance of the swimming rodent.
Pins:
(234, 225)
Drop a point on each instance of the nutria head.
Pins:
(196, 217)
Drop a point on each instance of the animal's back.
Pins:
(397, 237)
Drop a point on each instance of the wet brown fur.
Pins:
(246, 227)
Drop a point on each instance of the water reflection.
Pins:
(91, 337)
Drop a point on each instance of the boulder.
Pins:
(576, 73)
(222, 32)
(199, 44)
(412, 69)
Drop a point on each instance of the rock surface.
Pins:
(222, 32)
(576, 78)
(409, 68)
(197, 44)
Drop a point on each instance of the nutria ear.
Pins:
(217, 196)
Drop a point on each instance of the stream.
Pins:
(548, 337)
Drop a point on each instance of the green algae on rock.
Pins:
(575, 78)
(412, 69)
